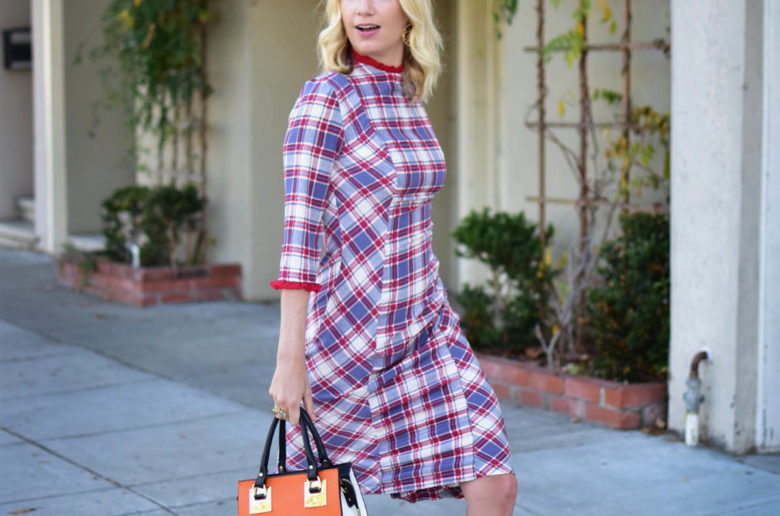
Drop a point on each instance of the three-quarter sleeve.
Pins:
(312, 144)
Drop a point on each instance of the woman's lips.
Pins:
(366, 31)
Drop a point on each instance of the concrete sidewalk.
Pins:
(112, 410)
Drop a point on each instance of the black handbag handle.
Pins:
(281, 461)
(322, 453)
(306, 426)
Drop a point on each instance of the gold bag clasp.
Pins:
(314, 493)
(259, 506)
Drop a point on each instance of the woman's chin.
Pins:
(374, 50)
(366, 48)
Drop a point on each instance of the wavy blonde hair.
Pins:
(422, 62)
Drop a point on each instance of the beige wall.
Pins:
(284, 57)
(477, 109)
(441, 110)
(518, 152)
(230, 209)
(260, 55)
(95, 166)
(16, 114)
(723, 276)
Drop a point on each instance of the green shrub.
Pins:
(172, 213)
(503, 314)
(477, 318)
(157, 219)
(628, 315)
(122, 216)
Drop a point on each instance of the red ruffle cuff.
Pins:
(282, 284)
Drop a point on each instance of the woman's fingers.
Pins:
(290, 386)
(293, 414)
(308, 403)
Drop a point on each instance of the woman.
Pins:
(368, 340)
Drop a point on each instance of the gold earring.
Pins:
(407, 34)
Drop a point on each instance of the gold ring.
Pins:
(279, 412)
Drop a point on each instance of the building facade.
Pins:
(720, 87)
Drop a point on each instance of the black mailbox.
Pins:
(17, 48)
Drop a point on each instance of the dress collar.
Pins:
(360, 58)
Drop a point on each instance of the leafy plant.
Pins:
(648, 127)
(122, 215)
(504, 11)
(84, 260)
(505, 315)
(628, 315)
(159, 220)
(159, 46)
(174, 213)
(155, 53)
(477, 318)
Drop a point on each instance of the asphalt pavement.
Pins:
(107, 409)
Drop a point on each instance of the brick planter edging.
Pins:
(617, 405)
(148, 286)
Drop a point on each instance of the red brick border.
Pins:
(617, 405)
(150, 286)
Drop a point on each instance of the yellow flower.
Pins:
(605, 9)
(561, 108)
(127, 20)
(580, 29)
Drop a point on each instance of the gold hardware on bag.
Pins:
(316, 498)
(263, 504)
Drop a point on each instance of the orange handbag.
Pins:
(323, 489)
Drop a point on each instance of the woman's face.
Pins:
(375, 28)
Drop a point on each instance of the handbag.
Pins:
(325, 489)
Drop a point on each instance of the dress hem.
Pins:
(441, 491)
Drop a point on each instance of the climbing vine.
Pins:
(154, 54)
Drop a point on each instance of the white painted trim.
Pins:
(770, 163)
(478, 122)
(49, 124)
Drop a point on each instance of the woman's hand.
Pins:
(290, 383)
(289, 386)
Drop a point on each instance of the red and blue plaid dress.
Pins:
(397, 389)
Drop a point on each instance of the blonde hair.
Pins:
(422, 63)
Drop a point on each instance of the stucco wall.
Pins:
(768, 414)
(230, 212)
(442, 109)
(284, 57)
(95, 166)
(16, 116)
(717, 192)
(476, 113)
(518, 152)
(260, 55)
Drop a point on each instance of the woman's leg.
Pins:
(490, 496)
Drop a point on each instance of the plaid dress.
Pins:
(397, 390)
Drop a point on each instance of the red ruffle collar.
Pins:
(360, 58)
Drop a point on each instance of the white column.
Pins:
(716, 234)
(49, 124)
(768, 413)
(478, 103)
